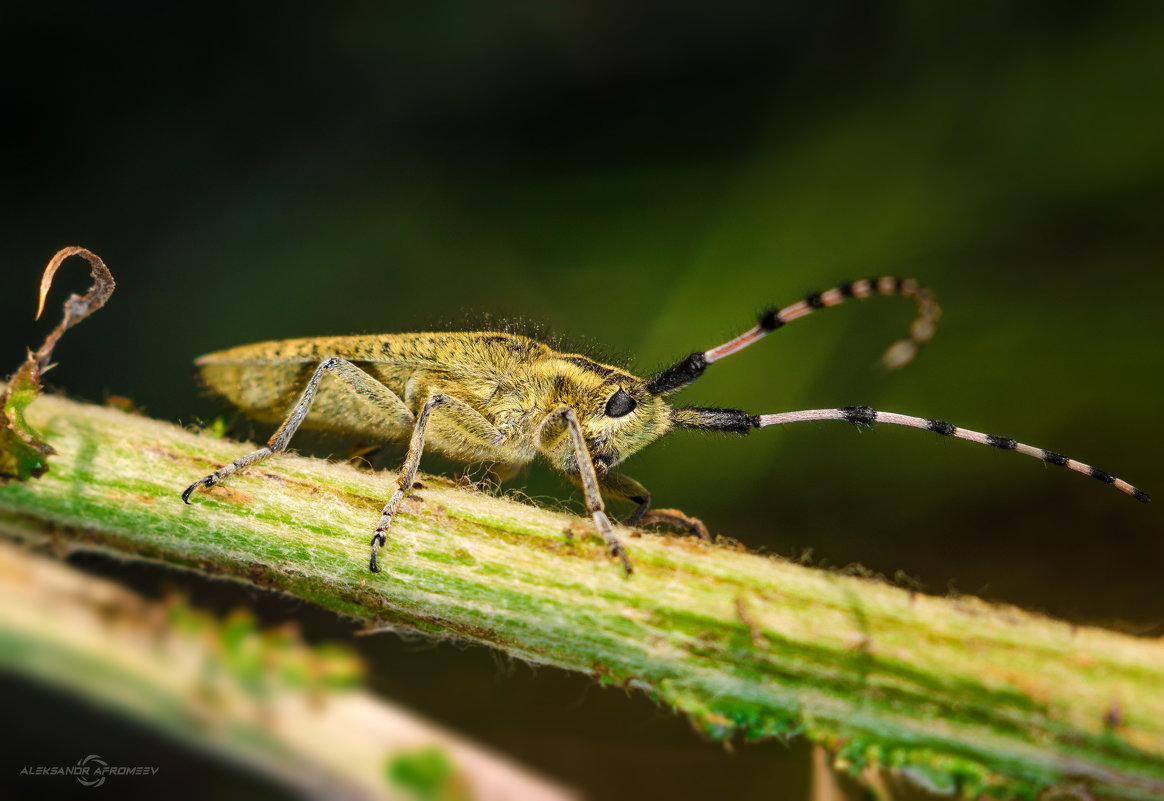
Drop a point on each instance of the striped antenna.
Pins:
(863, 415)
(898, 354)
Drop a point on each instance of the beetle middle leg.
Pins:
(621, 486)
(469, 421)
(359, 381)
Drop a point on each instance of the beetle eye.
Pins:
(620, 404)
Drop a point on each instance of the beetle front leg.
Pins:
(589, 480)
(621, 486)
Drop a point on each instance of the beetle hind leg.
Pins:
(356, 379)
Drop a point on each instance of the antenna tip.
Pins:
(900, 353)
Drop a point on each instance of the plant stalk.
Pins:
(965, 696)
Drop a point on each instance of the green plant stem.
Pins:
(262, 699)
(964, 695)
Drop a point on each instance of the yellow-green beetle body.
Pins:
(506, 399)
(512, 381)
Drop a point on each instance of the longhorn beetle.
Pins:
(503, 398)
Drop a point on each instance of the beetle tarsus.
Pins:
(202, 482)
(616, 549)
(379, 540)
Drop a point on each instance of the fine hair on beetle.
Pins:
(508, 399)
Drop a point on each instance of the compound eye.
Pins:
(620, 404)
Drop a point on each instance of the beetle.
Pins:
(508, 399)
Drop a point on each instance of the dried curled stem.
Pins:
(77, 307)
(23, 453)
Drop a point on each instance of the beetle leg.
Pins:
(467, 416)
(676, 519)
(359, 381)
(589, 480)
(626, 487)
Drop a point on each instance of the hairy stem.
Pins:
(965, 696)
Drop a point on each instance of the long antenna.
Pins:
(863, 415)
(898, 354)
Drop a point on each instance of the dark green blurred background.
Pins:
(638, 180)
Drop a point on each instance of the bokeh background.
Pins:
(636, 180)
